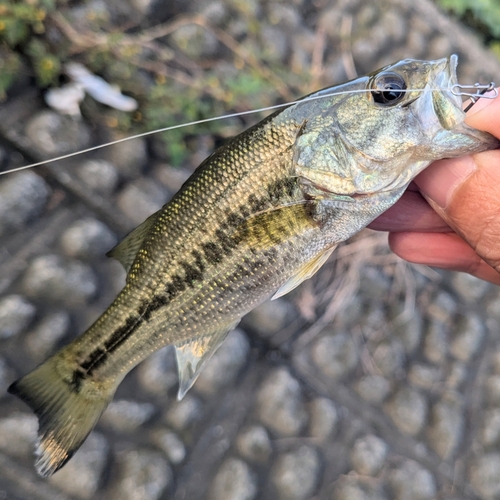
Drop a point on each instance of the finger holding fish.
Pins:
(464, 199)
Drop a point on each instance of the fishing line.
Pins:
(456, 89)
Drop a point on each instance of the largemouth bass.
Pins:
(259, 216)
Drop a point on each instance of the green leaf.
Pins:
(9, 66)
(14, 30)
(47, 69)
(485, 11)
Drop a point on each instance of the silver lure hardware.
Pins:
(480, 91)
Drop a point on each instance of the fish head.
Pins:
(382, 129)
(435, 106)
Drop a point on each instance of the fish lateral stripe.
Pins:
(282, 188)
(77, 379)
(98, 356)
(157, 302)
(192, 274)
(257, 204)
(212, 252)
(198, 260)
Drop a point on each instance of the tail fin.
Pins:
(66, 411)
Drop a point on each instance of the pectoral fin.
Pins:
(127, 249)
(271, 227)
(305, 272)
(192, 355)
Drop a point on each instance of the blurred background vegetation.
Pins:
(174, 80)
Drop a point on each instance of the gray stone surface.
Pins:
(408, 410)
(185, 413)
(233, 481)
(270, 317)
(373, 388)
(425, 376)
(139, 199)
(409, 331)
(436, 342)
(368, 455)
(280, 403)
(81, 477)
(5, 374)
(140, 474)
(468, 337)
(490, 433)
(295, 473)
(470, 288)
(443, 307)
(395, 396)
(195, 41)
(53, 279)
(129, 157)
(99, 175)
(22, 199)
(485, 476)
(225, 364)
(17, 434)
(87, 238)
(171, 178)
(446, 428)
(389, 358)
(350, 488)
(41, 341)
(54, 134)
(410, 481)
(126, 416)
(253, 444)
(16, 314)
(493, 389)
(158, 374)
(324, 418)
(171, 444)
(336, 355)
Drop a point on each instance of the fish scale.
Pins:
(259, 216)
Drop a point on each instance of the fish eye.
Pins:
(388, 88)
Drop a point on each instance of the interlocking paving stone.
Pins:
(387, 401)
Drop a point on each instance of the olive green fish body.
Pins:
(259, 216)
(199, 266)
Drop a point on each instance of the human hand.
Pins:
(462, 229)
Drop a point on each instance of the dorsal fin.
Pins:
(308, 270)
(192, 355)
(127, 249)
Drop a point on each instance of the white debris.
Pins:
(67, 98)
(99, 89)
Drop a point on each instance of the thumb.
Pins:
(465, 192)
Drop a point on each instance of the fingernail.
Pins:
(443, 177)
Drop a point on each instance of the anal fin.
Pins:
(193, 354)
(308, 270)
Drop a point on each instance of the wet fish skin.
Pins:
(259, 216)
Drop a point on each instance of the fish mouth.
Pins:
(441, 107)
(446, 78)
